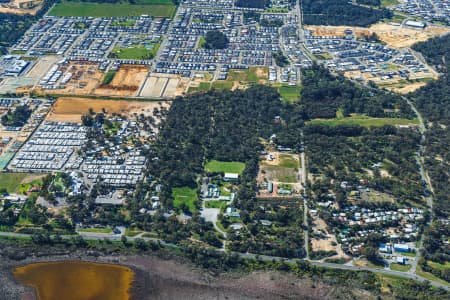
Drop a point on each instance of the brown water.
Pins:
(77, 280)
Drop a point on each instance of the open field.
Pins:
(83, 9)
(12, 181)
(329, 243)
(69, 109)
(439, 266)
(364, 121)
(216, 204)
(185, 195)
(398, 267)
(252, 74)
(237, 79)
(224, 166)
(290, 93)
(29, 182)
(394, 36)
(277, 174)
(135, 52)
(283, 168)
(201, 87)
(386, 3)
(126, 81)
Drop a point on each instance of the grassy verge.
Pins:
(109, 76)
(96, 230)
(409, 254)
(399, 267)
(430, 276)
(131, 233)
(124, 23)
(324, 56)
(215, 204)
(364, 121)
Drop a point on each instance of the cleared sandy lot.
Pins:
(126, 82)
(70, 109)
(394, 36)
(161, 85)
(21, 7)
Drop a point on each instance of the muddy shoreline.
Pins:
(175, 278)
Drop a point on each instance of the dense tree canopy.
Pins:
(215, 39)
(324, 94)
(12, 27)
(433, 101)
(17, 116)
(341, 12)
(252, 3)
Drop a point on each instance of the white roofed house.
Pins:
(231, 177)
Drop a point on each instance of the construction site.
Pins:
(21, 7)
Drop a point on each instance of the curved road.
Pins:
(118, 237)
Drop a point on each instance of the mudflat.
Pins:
(76, 280)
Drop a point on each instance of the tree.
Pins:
(216, 40)
(280, 59)
(372, 255)
(140, 244)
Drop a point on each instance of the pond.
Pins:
(77, 280)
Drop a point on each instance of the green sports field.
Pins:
(289, 93)
(225, 166)
(83, 9)
(185, 195)
(135, 52)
